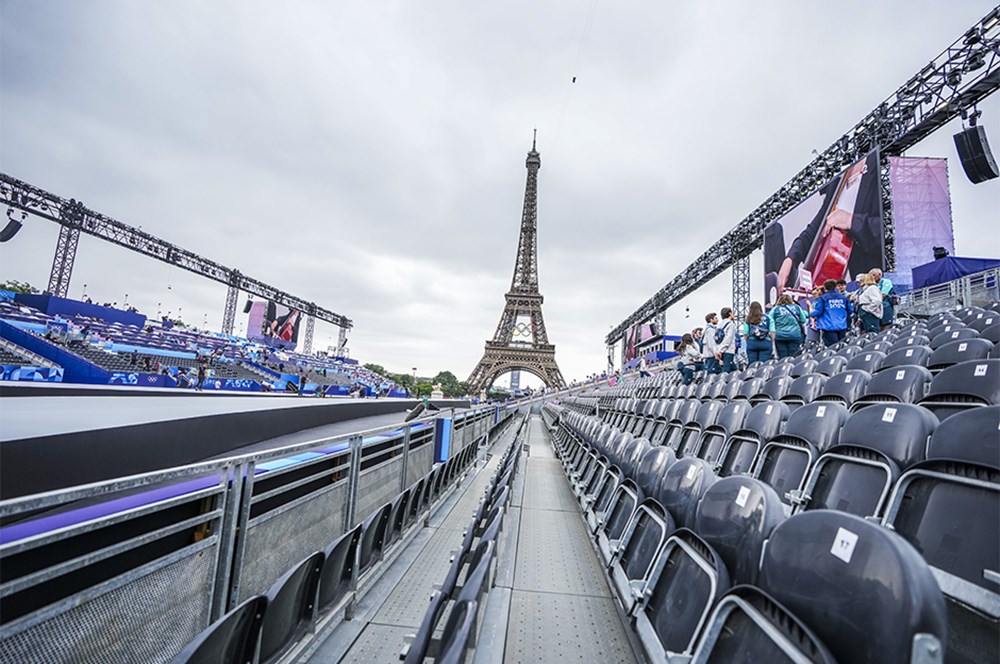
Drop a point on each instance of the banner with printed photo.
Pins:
(836, 233)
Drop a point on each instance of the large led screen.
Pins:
(836, 233)
(273, 324)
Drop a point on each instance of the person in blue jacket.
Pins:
(832, 311)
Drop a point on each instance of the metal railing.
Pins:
(131, 569)
(971, 290)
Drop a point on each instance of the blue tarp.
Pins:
(949, 269)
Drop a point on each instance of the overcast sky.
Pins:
(369, 156)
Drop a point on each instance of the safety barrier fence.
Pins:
(130, 570)
(979, 288)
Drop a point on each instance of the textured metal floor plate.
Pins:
(378, 644)
(554, 555)
(407, 603)
(546, 487)
(562, 628)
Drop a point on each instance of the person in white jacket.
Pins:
(708, 343)
(870, 302)
(725, 350)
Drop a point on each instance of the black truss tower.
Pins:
(502, 353)
(74, 218)
(964, 74)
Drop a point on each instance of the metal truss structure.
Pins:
(741, 287)
(949, 86)
(75, 218)
(503, 354)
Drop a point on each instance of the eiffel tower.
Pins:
(534, 354)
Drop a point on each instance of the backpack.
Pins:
(720, 333)
(760, 330)
(787, 322)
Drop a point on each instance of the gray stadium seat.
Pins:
(291, 608)
(863, 590)
(635, 552)
(233, 639)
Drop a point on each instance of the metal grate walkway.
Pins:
(550, 600)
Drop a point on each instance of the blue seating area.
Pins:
(161, 347)
(842, 505)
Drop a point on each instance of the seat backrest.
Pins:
(417, 651)
(988, 320)
(904, 384)
(291, 603)
(818, 423)
(974, 383)
(906, 355)
(958, 334)
(736, 515)
(687, 580)
(748, 625)
(845, 387)
(339, 566)
(651, 467)
(627, 496)
(651, 524)
(732, 389)
(991, 334)
(766, 420)
(232, 639)
(863, 590)
(682, 486)
(373, 537)
(963, 350)
(612, 478)
(632, 454)
(479, 566)
(899, 431)
(750, 387)
(911, 341)
(776, 388)
(805, 388)
(831, 366)
(457, 635)
(965, 438)
(868, 360)
(707, 414)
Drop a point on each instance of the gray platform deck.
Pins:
(550, 600)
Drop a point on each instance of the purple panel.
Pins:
(46, 524)
(921, 212)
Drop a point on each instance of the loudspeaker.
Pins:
(246, 307)
(974, 151)
(10, 230)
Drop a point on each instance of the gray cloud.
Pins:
(371, 158)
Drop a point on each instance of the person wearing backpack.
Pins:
(832, 311)
(708, 343)
(889, 297)
(725, 341)
(758, 334)
(788, 320)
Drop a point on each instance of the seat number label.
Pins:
(889, 415)
(847, 378)
(741, 497)
(821, 411)
(900, 374)
(962, 347)
(909, 352)
(980, 369)
(843, 544)
(691, 472)
(767, 411)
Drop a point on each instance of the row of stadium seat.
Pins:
(898, 340)
(473, 562)
(264, 628)
(668, 531)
